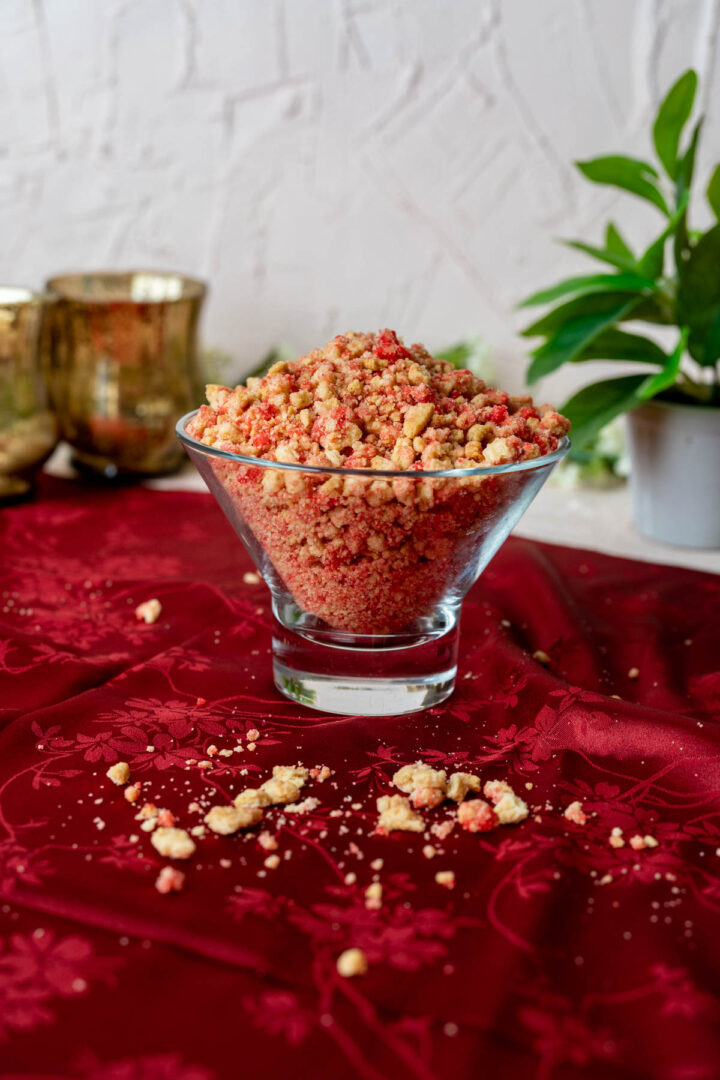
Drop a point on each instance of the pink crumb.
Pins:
(476, 815)
(170, 880)
(426, 797)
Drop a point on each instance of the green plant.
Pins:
(588, 323)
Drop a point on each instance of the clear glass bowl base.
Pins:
(365, 675)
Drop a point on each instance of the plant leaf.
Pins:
(590, 283)
(572, 337)
(654, 384)
(615, 244)
(651, 264)
(698, 303)
(672, 116)
(713, 191)
(615, 344)
(591, 304)
(630, 174)
(602, 254)
(591, 408)
(686, 164)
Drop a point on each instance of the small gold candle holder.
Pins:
(123, 360)
(27, 426)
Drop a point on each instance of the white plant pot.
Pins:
(675, 479)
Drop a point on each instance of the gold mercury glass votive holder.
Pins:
(27, 426)
(123, 366)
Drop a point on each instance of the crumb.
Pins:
(251, 578)
(397, 814)
(442, 829)
(252, 735)
(226, 820)
(575, 813)
(528, 785)
(304, 807)
(281, 791)
(476, 816)
(511, 809)
(634, 673)
(429, 851)
(226, 863)
(272, 862)
(267, 841)
(172, 843)
(147, 810)
(373, 896)
(132, 793)
(495, 789)
(639, 843)
(446, 878)
(541, 657)
(166, 818)
(252, 746)
(425, 798)
(149, 824)
(419, 775)
(194, 807)
(351, 962)
(212, 750)
(200, 702)
(198, 830)
(170, 880)
(616, 838)
(606, 880)
(252, 797)
(204, 764)
(225, 753)
(149, 611)
(377, 864)
(350, 878)
(321, 774)
(460, 783)
(296, 774)
(119, 773)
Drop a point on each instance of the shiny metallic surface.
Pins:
(122, 357)
(27, 427)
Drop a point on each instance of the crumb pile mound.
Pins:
(371, 554)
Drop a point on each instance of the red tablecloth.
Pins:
(555, 955)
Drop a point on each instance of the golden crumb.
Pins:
(252, 797)
(281, 791)
(119, 773)
(173, 843)
(460, 783)
(296, 774)
(226, 820)
(419, 775)
(396, 813)
(272, 862)
(351, 962)
(149, 611)
(446, 878)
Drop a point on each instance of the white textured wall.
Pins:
(333, 164)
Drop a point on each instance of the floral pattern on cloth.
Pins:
(553, 957)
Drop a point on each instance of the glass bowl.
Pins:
(367, 569)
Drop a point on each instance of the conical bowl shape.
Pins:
(362, 552)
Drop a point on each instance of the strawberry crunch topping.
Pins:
(368, 401)
(371, 554)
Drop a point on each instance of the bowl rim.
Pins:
(376, 474)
